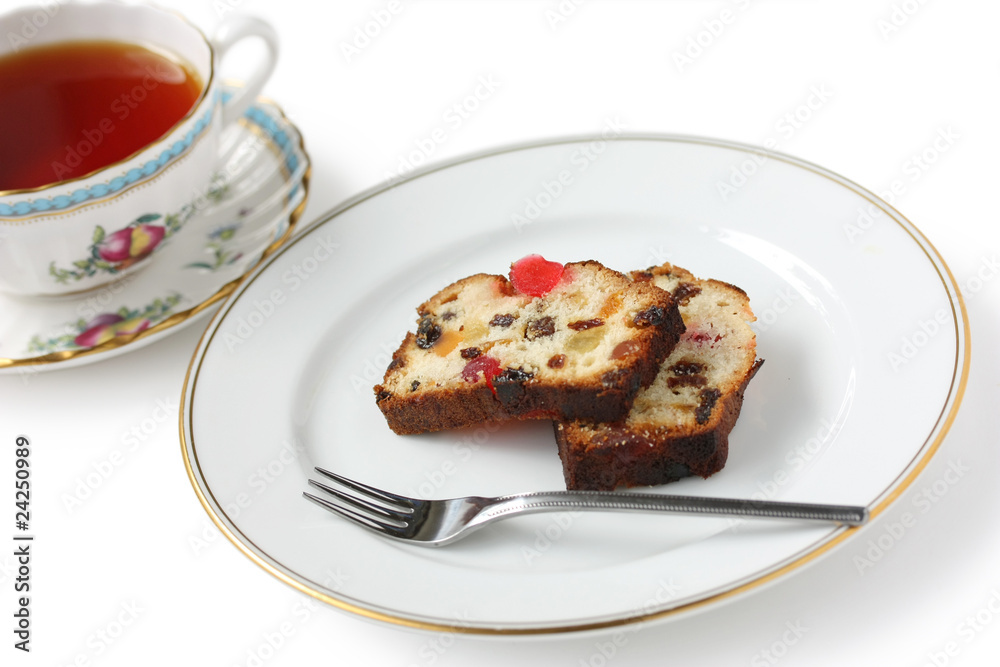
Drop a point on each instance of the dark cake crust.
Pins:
(516, 395)
(637, 456)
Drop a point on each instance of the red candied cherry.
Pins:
(701, 337)
(486, 365)
(534, 275)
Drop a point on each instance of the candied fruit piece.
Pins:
(475, 332)
(585, 341)
(543, 326)
(515, 375)
(427, 333)
(583, 325)
(534, 275)
(625, 348)
(652, 316)
(701, 338)
(686, 367)
(614, 378)
(502, 320)
(684, 292)
(686, 381)
(447, 342)
(611, 305)
(484, 365)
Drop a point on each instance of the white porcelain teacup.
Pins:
(77, 234)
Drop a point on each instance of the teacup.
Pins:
(76, 234)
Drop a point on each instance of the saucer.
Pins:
(256, 196)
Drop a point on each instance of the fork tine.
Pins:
(360, 519)
(363, 504)
(378, 494)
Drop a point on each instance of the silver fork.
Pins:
(434, 523)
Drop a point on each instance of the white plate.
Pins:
(258, 192)
(860, 322)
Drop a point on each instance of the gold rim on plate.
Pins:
(805, 556)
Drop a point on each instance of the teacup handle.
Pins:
(235, 29)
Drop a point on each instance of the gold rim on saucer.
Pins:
(225, 290)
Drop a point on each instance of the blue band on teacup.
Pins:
(132, 176)
(280, 137)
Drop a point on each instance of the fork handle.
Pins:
(643, 502)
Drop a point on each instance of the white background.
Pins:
(141, 549)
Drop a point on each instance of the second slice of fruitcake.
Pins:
(679, 426)
(553, 342)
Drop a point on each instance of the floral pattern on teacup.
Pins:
(113, 253)
(129, 245)
(222, 256)
(106, 326)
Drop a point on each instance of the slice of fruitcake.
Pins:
(679, 425)
(553, 342)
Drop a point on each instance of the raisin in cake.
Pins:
(679, 426)
(553, 342)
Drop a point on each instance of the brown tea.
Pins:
(67, 109)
